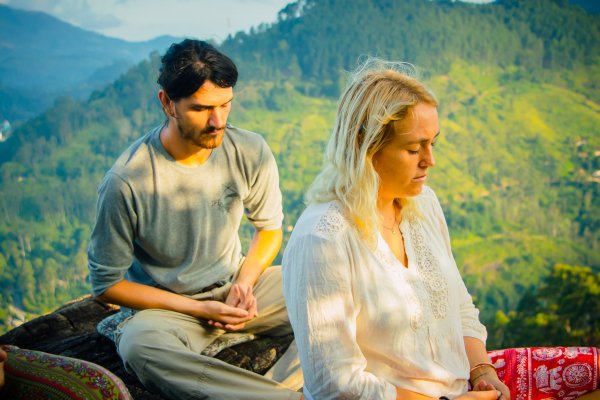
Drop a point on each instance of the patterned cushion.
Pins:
(33, 375)
(557, 373)
(108, 325)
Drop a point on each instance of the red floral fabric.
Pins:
(547, 373)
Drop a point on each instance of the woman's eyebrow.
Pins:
(421, 140)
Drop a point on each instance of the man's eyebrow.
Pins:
(198, 105)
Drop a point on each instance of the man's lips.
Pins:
(213, 132)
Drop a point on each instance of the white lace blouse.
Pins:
(364, 323)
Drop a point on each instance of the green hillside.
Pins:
(317, 39)
(517, 163)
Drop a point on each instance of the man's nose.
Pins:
(218, 118)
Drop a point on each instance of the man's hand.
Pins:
(224, 316)
(241, 297)
(262, 251)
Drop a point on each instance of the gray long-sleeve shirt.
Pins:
(165, 224)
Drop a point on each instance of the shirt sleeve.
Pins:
(110, 252)
(469, 314)
(319, 295)
(263, 204)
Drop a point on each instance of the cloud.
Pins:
(205, 19)
(88, 14)
(146, 19)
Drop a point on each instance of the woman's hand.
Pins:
(483, 374)
(480, 395)
(490, 382)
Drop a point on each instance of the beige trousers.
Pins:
(163, 349)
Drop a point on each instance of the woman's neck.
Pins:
(389, 212)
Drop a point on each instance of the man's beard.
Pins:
(204, 138)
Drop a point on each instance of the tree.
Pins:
(563, 310)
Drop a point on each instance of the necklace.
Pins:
(392, 228)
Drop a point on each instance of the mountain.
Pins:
(42, 57)
(518, 158)
(309, 43)
(592, 6)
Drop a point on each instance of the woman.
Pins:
(378, 307)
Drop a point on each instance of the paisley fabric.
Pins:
(33, 375)
(540, 373)
(108, 325)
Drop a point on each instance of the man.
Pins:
(166, 241)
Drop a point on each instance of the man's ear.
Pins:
(167, 103)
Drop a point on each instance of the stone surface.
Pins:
(71, 331)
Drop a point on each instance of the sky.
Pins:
(138, 20)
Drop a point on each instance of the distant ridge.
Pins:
(592, 6)
(42, 57)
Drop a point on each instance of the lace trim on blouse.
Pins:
(430, 269)
(332, 221)
(436, 288)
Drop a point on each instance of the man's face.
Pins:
(200, 118)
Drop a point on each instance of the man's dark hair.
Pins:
(187, 65)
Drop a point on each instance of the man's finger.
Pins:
(233, 296)
(253, 310)
(235, 327)
(229, 326)
(229, 311)
(224, 321)
(241, 298)
(249, 292)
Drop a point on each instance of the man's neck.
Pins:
(182, 151)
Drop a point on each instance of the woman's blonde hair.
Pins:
(378, 93)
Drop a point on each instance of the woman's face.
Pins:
(403, 163)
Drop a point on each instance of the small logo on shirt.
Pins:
(227, 200)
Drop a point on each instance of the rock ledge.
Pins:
(71, 331)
